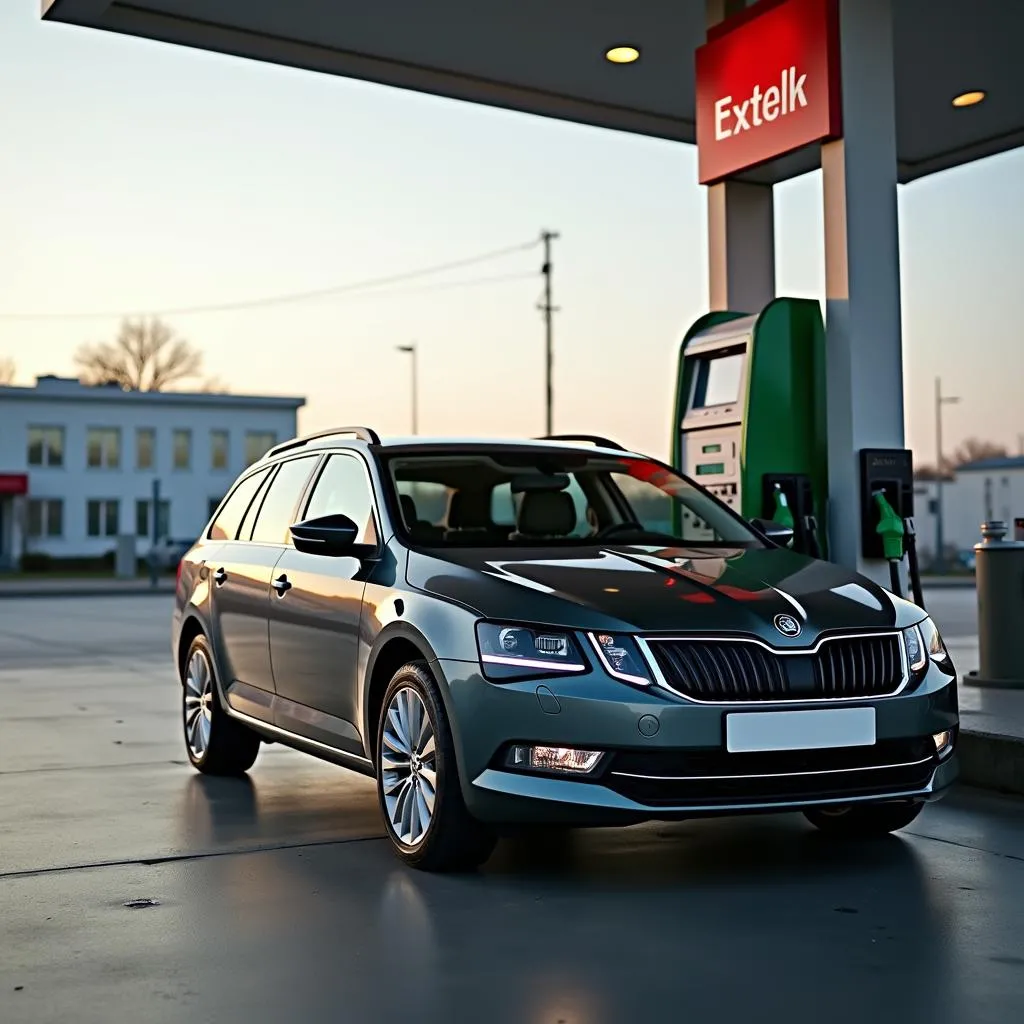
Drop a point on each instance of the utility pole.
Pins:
(547, 237)
(940, 540)
(411, 351)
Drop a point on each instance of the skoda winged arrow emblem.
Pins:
(787, 625)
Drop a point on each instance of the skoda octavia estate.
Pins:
(549, 631)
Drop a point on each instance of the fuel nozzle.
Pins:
(783, 514)
(890, 528)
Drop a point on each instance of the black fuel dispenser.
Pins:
(887, 513)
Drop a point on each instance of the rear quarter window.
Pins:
(229, 516)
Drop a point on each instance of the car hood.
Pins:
(661, 589)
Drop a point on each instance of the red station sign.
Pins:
(767, 84)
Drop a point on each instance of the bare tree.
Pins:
(976, 450)
(7, 370)
(146, 356)
(972, 450)
(927, 472)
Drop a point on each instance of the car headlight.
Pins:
(933, 641)
(917, 655)
(620, 657)
(923, 642)
(519, 652)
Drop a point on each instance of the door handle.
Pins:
(282, 585)
(220, 576)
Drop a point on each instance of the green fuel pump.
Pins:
(750, 415)
(750, 426)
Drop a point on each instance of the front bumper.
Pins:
(682, 769)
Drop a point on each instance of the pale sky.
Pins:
(135, 175)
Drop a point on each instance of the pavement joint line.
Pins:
(965, 846)
(274, 847)
(171, 858)
(90, 767)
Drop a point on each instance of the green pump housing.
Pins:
(749, 421)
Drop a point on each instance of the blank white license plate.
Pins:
(800, 730)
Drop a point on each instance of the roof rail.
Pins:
(361, 433)
(600, 442)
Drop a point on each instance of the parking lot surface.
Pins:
(276, 898)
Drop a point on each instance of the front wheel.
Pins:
(863, 821)
(216, 743)
(418, 781)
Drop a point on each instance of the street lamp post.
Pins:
(940, 540)
(411, 351)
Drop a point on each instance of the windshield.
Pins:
(540, 498)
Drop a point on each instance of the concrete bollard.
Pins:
(1000, 588)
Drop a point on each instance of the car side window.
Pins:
(229, 516)
(277, 512)
(343, 489)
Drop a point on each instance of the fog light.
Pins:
(942, 740)
(556, 759)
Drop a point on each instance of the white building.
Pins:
(78, 464)
(979, 492)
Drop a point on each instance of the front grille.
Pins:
(733, 670)
(715, 777)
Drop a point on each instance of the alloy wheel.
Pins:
(408, 767)
(198, 704)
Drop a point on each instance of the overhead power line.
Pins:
(306, 296)
(471, 282)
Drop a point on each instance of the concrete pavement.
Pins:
(276, 897)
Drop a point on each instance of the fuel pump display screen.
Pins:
(718, 380)
(711, 469)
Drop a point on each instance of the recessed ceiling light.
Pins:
(622, 54)
(969, 99)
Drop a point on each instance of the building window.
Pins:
(257, 444)
(182, 446)
(145, 448)
(103, 448)
(102, 517)
(46, 446)
(218, 449)
(45, 517)
(143, 525)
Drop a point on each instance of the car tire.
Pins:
(864, 821)
(216, 743)
(425, 815)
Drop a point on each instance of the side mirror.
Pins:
(774, 531)
(333, 535)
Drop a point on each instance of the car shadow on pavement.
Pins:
(581, 918)
(720, 850)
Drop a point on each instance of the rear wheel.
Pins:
(418, 781)
(863, 821)
(216, 743)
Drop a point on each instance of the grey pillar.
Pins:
(862, 272)
(741, 246)
(741, 228)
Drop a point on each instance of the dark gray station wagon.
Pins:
(554, 631)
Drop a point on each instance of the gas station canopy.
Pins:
(549, 59)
